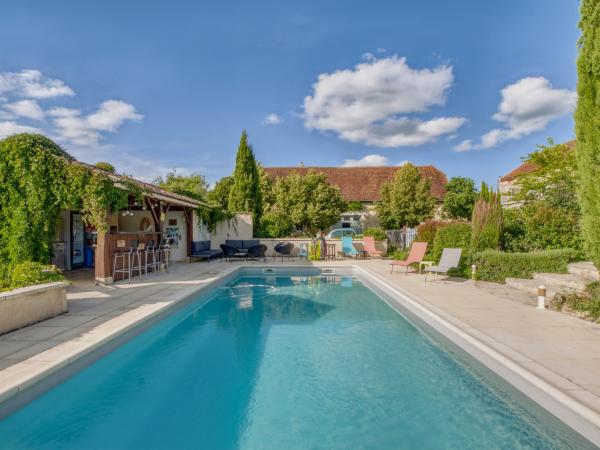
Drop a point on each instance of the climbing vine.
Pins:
(38, 179)
(212, 216)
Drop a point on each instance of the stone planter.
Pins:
(31, 304)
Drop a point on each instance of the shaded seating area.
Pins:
(450, 260)
(242, 245)
(202, 250)
(416, 255)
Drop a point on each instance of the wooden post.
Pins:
(103, 269)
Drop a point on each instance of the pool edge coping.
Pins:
(566, 408)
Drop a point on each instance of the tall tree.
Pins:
(461, 195)
(587, 124)
(407, 200)
(245, 194)
(193, 185)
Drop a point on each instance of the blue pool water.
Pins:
(282, 363)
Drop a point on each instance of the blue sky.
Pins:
(151, 86)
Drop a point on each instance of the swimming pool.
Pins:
(284, 362)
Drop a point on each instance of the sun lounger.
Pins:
(416, 255)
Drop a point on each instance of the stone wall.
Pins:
(24, 306)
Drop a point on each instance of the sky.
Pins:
(467, 86)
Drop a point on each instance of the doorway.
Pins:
(77, 240)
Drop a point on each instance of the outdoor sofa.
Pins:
(202, 250)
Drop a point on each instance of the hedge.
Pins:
(494, 265)
(454, 235)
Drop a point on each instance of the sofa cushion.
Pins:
(237, 243)
(200, 246)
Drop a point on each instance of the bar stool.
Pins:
(151, 259)
(123, 256)
(137, 250)
(164, 253)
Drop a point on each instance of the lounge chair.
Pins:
(450, 260)
(416, 255)
(347, 247)
(284, 249)
(202, 250)
(230, 253)
(369, 243)
(257, 252)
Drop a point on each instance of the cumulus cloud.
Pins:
(26, 108)
(71, 125)
(272, 119)
(370, 103)
(33, 84)
(527, 106)
(367, 160)
(9, 127)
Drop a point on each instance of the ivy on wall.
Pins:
(37, 180)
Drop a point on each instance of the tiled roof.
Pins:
(364, 183)
(527, 167)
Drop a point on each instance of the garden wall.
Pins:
(31, 304)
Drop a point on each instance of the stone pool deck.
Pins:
(560, 349)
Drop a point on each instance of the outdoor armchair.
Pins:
(284, 249)
(231, 253)
(257, 252)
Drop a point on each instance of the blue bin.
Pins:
(89, 257)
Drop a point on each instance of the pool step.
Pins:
(585, 270)
(561, 281)
(529, 286)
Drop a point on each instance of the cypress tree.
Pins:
(587, 126)
(245, 194)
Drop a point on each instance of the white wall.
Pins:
(240, 227)
(132, 223)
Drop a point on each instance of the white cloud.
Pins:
(26, 108)
(9, 127)
(367, 160)
(86, 130)
(32, 84)
(272, 119)
(369, 104)
(527, 106)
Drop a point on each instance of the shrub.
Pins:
(494, 265)
(588, 302)
(454, 235)
(30, 273)
(540, 227)
(487, 221)
(275, 225)
(399, 254)
(376, 232)
(426, 231)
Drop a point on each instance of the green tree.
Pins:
(219, 195)
(308, 202)
(586, 126)
(553, 182)
(461, 195)
(245, 194)
(194, 185)
(487, 222)
(406, 201)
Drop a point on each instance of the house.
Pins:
(507, 184)
(363, 184)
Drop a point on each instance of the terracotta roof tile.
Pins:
(364, 183)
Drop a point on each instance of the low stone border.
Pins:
(24, 306)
